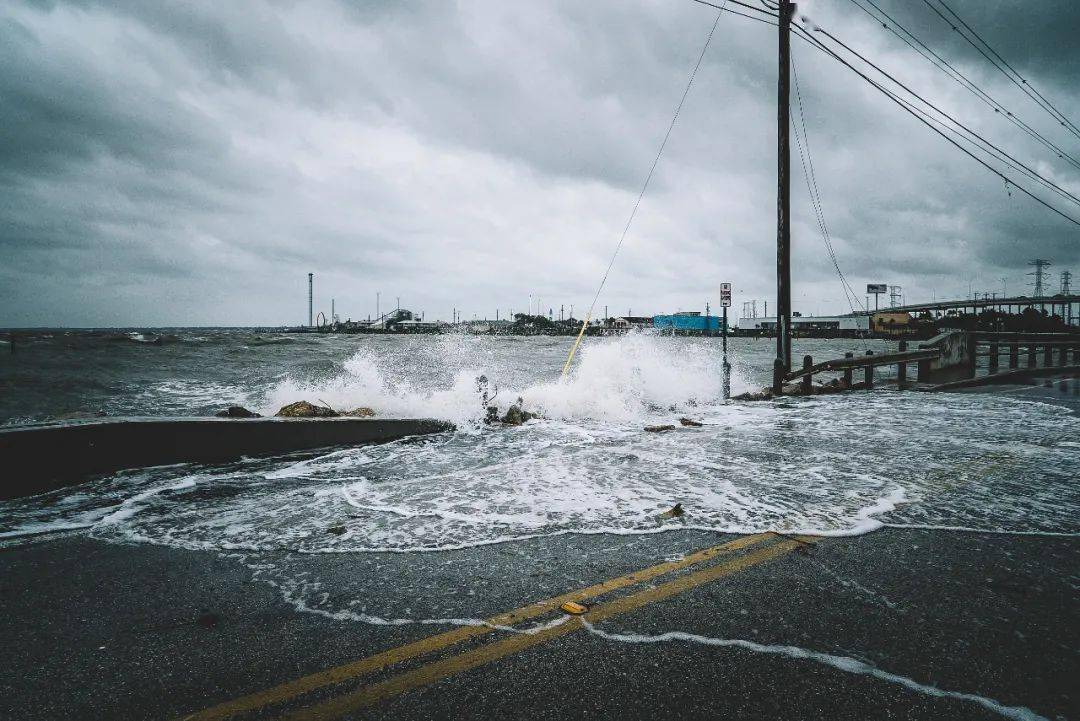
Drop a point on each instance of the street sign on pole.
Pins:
(725, 301)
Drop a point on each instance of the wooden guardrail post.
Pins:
(807, 363)
(1076, 355)
(1063, 354)
(901, 368)
(1048, 355)
(847, 371)
(1031, 354)
(778, 376)
(869, 371)
(992, 361)
(1014, 355)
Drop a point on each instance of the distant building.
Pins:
(628, 322)
(839, 324)
(414, 325)
(689, 322)
(893, 324)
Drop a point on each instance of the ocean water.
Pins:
(836, 465)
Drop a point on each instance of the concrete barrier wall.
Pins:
(957, 361)
(39, 458)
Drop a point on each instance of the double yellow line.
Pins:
(437, 670)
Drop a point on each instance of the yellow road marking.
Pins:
(306, 684)
(425, 675)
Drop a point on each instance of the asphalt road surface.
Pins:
(896, 624)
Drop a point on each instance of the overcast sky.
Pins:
(189, 163)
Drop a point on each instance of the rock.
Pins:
(765, 394)
(832, 387)
(361, 412)
(673, 512)
(515, 416)
(336, 530)
(491, 415)
(658, 429)
(303, 409)
(237, 412)
(690, 423)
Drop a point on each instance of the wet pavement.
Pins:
(896, 624)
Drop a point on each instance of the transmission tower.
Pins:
(896, 296)
(1040, 265)
(1066, 276)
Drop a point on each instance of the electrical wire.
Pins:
(1000, 63)
(812, 188)
(644, 187)
(991, 148)
(736, 12)
(799, 31)
(892, 25)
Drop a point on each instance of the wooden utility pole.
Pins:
(782, 364)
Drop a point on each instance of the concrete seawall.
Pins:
(43, 457)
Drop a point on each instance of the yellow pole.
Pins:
(577, 342)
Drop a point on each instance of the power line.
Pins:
(644, 187)
(990, 148)
(1000, 63)
(736, 12)
(723, 7)
(891, 24)
(810, 176)
(899, 101)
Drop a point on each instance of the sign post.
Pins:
(876, 290)
(725, 302)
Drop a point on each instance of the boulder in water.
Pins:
(515, 416)
(673, 512)
(303, 409)
(237, 412)
(361, 412)
(658, 429)
(691, 423)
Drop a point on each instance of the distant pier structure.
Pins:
(310, 299)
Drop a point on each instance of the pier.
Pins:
(951, 360)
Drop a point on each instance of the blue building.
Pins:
(689, 322)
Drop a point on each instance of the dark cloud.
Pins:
(191, 162)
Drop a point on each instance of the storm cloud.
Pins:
(188, 163)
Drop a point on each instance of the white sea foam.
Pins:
(620, 379)
(841, 663)
(828, 465)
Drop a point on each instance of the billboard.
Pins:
(875, 288)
